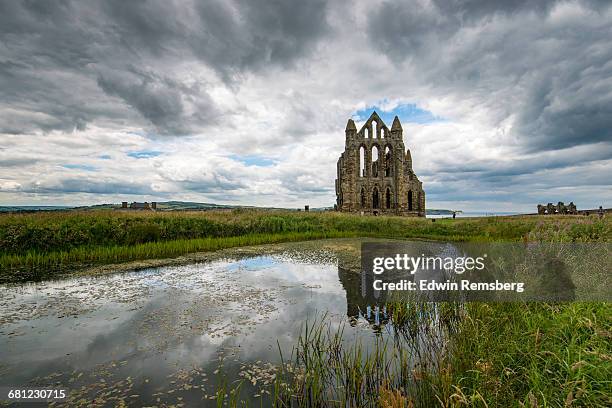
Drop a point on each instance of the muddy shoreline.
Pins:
(346, 249)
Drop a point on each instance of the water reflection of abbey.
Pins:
(552, 280)
(362, 301)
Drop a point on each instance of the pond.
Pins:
(174, 334)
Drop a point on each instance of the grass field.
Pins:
(499, 354)
(41, 245)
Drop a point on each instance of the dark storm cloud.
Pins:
(62, 63)
(571, 107)
(92, 186)
(216, 184)
(503, 172)
(549, 73)
(16, 161)
(403, 29)
(159, 99)
(230, 36)
(550, 176)
(466, 10)
(248, 34)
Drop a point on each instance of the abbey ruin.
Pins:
(375, 173)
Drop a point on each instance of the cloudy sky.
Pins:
(504, 104)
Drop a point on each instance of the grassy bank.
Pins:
(36, 265)
(455, 355)
(40, 245)
(531, 355)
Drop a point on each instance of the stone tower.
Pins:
(375, 173)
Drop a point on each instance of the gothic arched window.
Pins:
(375, 199)
(361, 161)
(388, 162)
(375, 161)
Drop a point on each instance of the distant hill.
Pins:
(187, 205)
(26, 208)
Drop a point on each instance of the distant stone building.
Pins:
(375, 173)
(139, 206)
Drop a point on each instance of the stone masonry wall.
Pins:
(385, 183)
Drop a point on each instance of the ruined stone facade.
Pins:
(375, 173)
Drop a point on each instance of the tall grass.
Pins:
(454, 355)
(34, 246)
(534, 354)
(45, 232)
(35, 265)
(327, 369)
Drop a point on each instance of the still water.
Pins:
(171, 335)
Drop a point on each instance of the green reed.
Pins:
(461, 355)
(35, 246)
(330, 369)
(34, 265)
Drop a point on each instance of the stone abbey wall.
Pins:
(375, 173)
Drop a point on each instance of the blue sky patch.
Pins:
(407, 113)
(104, 157)
(84, 167)
(144, 154)
(254, 160)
